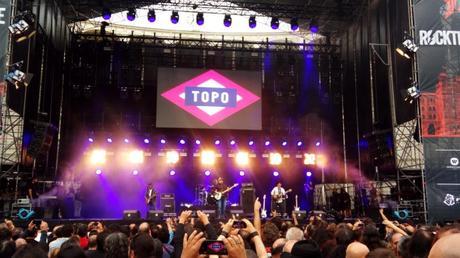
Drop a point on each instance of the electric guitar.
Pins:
(277, 197)
(263, 213)
(218, 195)
(296, 208)
(148, 199)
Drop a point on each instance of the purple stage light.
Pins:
(207, 173)
(251, 142)
(182, 141)
(314, 28)
(252, 22)
(135, 172)
(217, 142)
(109, 140)
(299, 143)
(199, 19)
(318, 144)
(106, 14)
(242, 173)
(294, 24)
(98, 171)
(284, 143)
(172, 172)
(131, 14)
(146, 141)
(267, 143)
(227, 20)
(232, 142)
(151, 16)
(174, 17)
(162, 141)
(275, 23)
(90, 139)
(276, 173)
(126, 140)
(309, 174)
(197, 142)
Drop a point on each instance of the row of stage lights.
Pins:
(227, 21)
(217, 142)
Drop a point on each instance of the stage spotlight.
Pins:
(242, 173)
(182, 141)
(318, 143)
(284, 143)
(242, 158)
(208, 157)
(172, 172)
(126, 140)
(227, 20)
(207, 173)
(267, 143)
(172, 157)
(90, 139)
(275, 158)
(106, 14)
(23, 26)
(199, 19)
(299, 143)
(407, 48)
(131, 14)
(321, 161)
(232, 142)
(151, 16)
(136, 157)
(276, 173)
(175, 17)
(412, 93)
(251, 142)
(163, 141)
(275, 23)
(135, 172)
(309, 159)
(309, 174)
(197, 142)
(294, 24)
(314, 28)
(109, 140)
(98, 157)
(146, 141)
(217, 142)
(17, 77)
(98, 171)
(252, 22)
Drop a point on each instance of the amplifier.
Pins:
(23, 201)
(131, 214)
(167, 203)
(167, 196)
(300, 215)
(156, 215)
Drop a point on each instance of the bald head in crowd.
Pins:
(294, 233)
(356, 250)
(144, 227)
(446, 247)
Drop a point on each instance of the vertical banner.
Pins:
(5, 9)
(438, 36)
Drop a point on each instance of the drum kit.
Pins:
(203, 196)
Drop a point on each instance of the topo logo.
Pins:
(454, 161)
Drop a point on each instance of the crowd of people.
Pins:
(275, 237)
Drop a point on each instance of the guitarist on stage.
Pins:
(220, 187)
(279, 199)
(150, 197)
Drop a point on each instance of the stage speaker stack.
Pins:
(155, 215)
(300, 215)
(247, 197)
(131, 214)
(167, 203)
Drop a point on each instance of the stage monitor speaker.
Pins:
(300, 215)
(155, 215)
(167, 203)
(247, 197)
(131, 214)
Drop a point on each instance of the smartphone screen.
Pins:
(239, 224)
(213, 247)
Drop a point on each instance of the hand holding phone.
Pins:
(239, 224)
(213, 247)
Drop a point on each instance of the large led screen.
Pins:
(210, 99)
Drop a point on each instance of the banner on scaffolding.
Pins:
(437, 38)
(5, 9)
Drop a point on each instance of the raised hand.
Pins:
(184, 216)
(235, 247)
(192, 245)
(203, 217)
(257, 204)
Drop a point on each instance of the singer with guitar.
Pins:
(150, 197)
(219, 193)
(279, 196)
